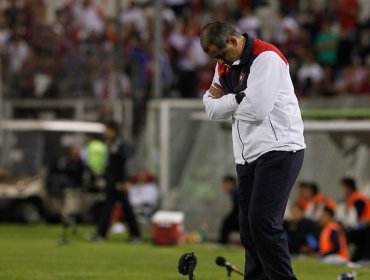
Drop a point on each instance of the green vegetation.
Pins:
(32, 252)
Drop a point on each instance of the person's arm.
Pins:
(220, 107)
(359, 206)
(263, 85)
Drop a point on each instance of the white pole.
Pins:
(2, 107)
(118, 8)
(127, 118)
(157, 83)
(151, 146)
(164, 179)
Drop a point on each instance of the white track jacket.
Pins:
(268, 118)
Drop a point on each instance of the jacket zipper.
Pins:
(273, 129)
(240, 138)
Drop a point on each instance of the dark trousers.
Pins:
(105, 218)
(360, 238)
(229, 224)
(263, 191)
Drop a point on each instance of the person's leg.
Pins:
(253, 269)
(234, 224)
(366, 239)
(226, 229)
(360, 238)
(366, 234)
(106, 214)
(355, 238)
(274, 177)
(129, 216)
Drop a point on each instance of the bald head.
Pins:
(216, 34)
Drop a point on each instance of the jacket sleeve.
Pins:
(266, 74)
(360, 207)
(222, 108)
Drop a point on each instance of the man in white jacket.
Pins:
(252, 85)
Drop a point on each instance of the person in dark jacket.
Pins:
(72, 172)
(117, 185)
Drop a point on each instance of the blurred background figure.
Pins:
(327, 44)
(230, 222)
(110, 84)
(95, 157)
(90, 18)
(73, 168)
(185, 41)
(117, 186)
(310, 74)
(144, 195)
(249, 23)
(73, 171)
(316, 201)
(359, 235)
(333, 246)
(133, 18)
(303, 233)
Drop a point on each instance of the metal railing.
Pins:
(82, 109)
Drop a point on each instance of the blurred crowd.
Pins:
(85, 53)
(76, 55)
(337, 232)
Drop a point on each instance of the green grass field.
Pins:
(32, 252)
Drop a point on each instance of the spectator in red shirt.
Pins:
(348, 13)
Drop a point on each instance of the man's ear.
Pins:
(232, 41)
